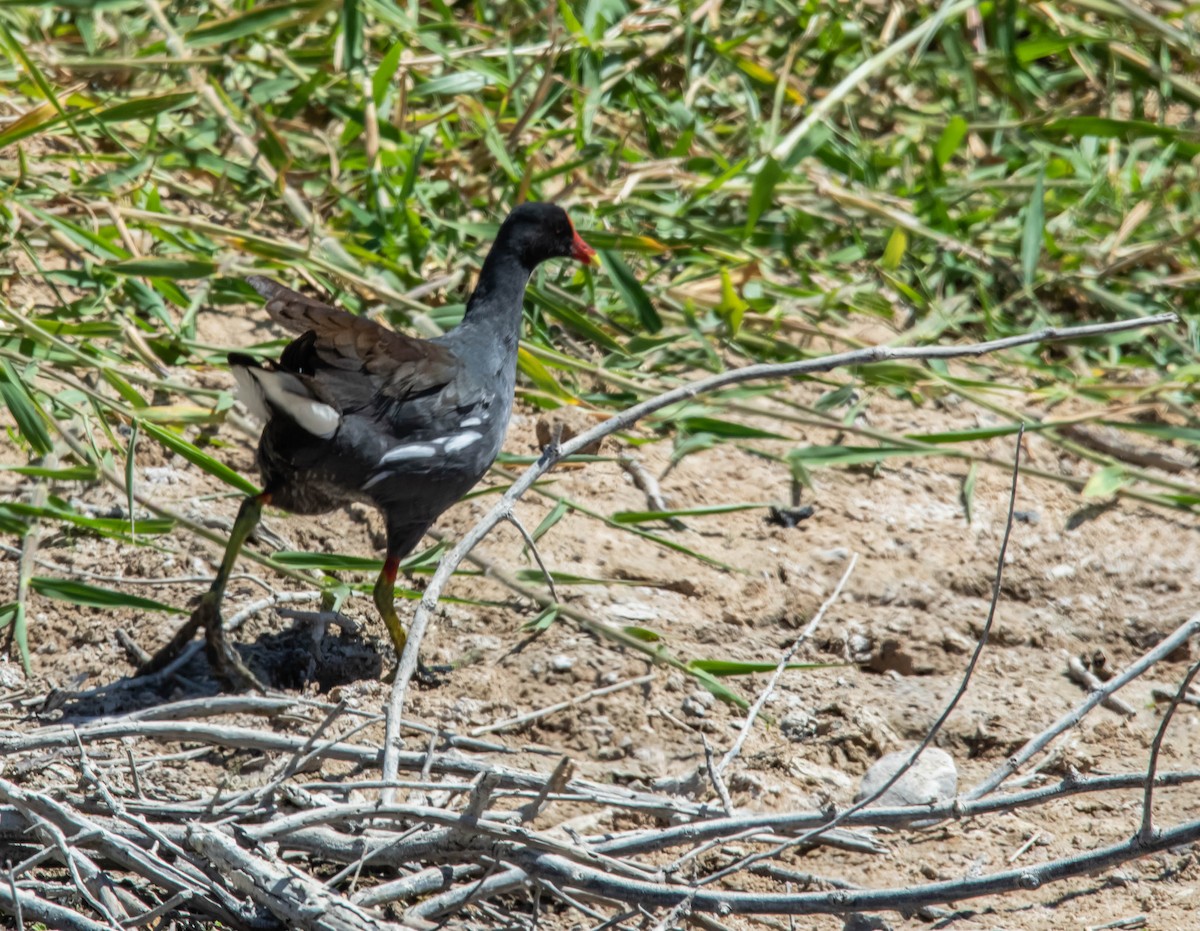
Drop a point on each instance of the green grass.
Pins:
(990, 169)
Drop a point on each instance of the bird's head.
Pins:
(535, 232)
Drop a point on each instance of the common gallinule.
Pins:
(354, 411)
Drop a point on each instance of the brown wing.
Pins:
(398, 365)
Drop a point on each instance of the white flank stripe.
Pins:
(408, 451)
(462, 440)
(310, 415)
(375, 480)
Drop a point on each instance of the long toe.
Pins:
(430, 677)
(226, 662)
(433, 677)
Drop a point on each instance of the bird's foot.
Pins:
(226, 662)
(430, 677)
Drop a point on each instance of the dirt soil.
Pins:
(1102, 582)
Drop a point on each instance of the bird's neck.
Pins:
(495, 306)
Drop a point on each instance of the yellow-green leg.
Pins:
(224, 658)
(385, 601)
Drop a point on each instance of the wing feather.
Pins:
(350, 359)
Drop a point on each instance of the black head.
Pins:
(535, 232)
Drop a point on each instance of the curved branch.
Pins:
(450, 561)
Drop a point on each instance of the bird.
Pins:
(356, 412)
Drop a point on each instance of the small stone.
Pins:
(560, 662)
(161, 475)
(797, 725)
(1062, 571)
(932, 779)
(11, 676)
(704, 697)
(860, 921)
(632, 611)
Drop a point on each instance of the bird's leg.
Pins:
(208, 613)
(385, 601)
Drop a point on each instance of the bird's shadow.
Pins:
(290, 660)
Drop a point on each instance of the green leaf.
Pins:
(1031, 235)
(541, 376)
(556, 514)
(951, 138)
(163, 268)
(1161, 431)
(131, 477)
(641, 517)
(352, 34)
(254, 23)
(93, 596)
(545, 618)
(732, 308)
(631, 291)
(65, 474)
(714, 685)
(760, 192)
(714, 426)
(977, 433)
(893, 252)
(14, 613)
(107, 526)
(386, 71)
(727, 667)
(831, 400)
(452, 85)
(327, 562)
(197, 457)
(967, 492)
(854, 455)
(687, 445)
(140, 108)
(25, 410)
(1106, 482)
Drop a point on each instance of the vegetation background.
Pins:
(765, 181)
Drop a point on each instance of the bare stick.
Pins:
(1075, 715)
(842, 901)
(16, 898)
(431, 879)
(731, 755)
(16, 902)
(556, 783)
(292, 896)
(454, 899)
(553, 453)
(649, 487)
(1085, 677)
(169, 907)
(714, 776)
(516, 522)
(942, 718)
(1147, 830)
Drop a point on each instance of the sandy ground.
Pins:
(1087, 582)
